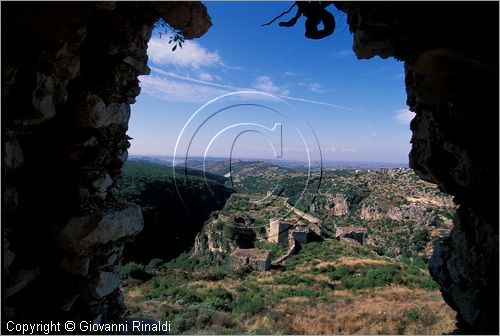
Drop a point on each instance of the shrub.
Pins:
(214, 275)
(322, 270)
(295, 291)
(135, 271)
(339, 272)
(218, 299)
(248, 303)
(242, 272)
(372, 276)
(155, 263)
(292, 280)
(412, 315)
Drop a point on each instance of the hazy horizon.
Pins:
(195, 157)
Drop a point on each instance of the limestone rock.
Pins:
(20, 280)
(371, 212)
(42, 97)
(105, 284)
(411, 212)
(14, 157)
(78, 265)
(82, 233)
(190, 17)
(102, 184)
(140, 67)
(94, 113)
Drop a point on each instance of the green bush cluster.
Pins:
(277, 250)
(134, 271)
(219, 299)
(249, 303)
(374, 276)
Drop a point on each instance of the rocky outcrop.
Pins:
(337, 204)
(451, 66)
(371, 212)
(406, 212)
(411, 212)
(70, 73)
(222, 235)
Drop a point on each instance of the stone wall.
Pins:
(257, 259)
(278, 231)
(451, 65)
(70, 72)
(354, 234)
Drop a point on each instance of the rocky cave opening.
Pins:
(65, 110)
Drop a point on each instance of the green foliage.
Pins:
(372, 276)
(295, 292)
(242, 272)
(218, 299)
(249, 303)
(215, 273)
(292, 280)
(173, 34)
(340, 272)
(134, 271)
(276, 250)
(412, 315)
(174, 209)
(155, 263)
(322, 270)
(328, 250)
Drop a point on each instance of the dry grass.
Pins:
(391, 310)
(357, 262)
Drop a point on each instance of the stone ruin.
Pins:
(351, 233)
(298, 234)
(257, 259)
(278, 231)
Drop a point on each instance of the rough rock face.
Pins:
(69, 76)
(371, 213)
(222, 235)
(451, 64)
(337, 204)
(410, 212)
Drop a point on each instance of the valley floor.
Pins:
(329, 287)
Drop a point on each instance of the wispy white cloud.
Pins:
(265, 84)
(313, 87)
(342, 53)
(289, 73)
(404, 116)
(205, 76)
(191, 55)
(179, 91)
(192, 96)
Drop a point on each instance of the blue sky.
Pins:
(355, 108)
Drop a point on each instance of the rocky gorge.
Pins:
(66, 105)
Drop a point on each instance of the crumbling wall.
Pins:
(69, 76)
